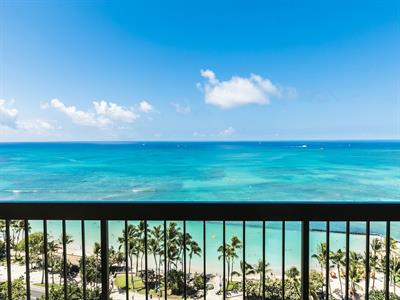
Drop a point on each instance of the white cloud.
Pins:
(210, 75)
(182, 109)
(114, 112)
(80, 117)
(9, 120)
(36, 125)
(145, 107)
(103, 114)
(8, 115)
(237, 91)
(228, 132)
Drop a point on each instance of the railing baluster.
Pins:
(184, 261)
(223, 257)
(83, 259)
(327, 260)
(347, 259)
(165, 261)
(146, 260)
(204, 261)
(8, 258)
(65, 265)
(46, 262)
(367, 270)
(105, 277)
(28, 283)
(126, 260)
(244, 259)
(305, 252)
(283, 260)
(387, 261)
(263, 261)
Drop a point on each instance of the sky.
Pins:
(199, 70)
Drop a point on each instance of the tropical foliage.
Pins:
(165, 264)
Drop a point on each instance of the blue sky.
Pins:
(206, 70)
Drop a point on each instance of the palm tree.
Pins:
(338, 260)
(17, 227)
(395, 271)
(174, 243)
(245, 268)
(141, 229)
(235, 245)
(355, 270)
(293, 276)
(52, 249)
(97, 253)
(320, 256)
(132, 242)
(3, 229)
(230, 255)
(376, 248)
(194, 249)
(260, 269)
(154, 245)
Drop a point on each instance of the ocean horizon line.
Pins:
(360, 140)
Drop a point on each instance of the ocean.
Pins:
(207, 171)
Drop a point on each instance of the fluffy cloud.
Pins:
(8, 115)
(9, 120)
(104, 113)
(145, 107)
(237, 91)
(80, 117)
(114, 112)
(182, 109)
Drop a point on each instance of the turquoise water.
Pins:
(281, 171)
(343, 171)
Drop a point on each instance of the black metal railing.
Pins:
(203, 213)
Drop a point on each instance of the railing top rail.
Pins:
(165, 210)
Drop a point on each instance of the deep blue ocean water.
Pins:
(207, 171)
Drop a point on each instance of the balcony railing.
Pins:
(163, 244)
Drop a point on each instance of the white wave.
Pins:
(143, 190)
(17, 192)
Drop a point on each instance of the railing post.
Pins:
(65, 263)
(224, 257)
(126, 242)
(28, 280)
(347, 260)
(83, 259)
(283, 258)
(305, 252)
(46, 260)
(165, 262)
(263, 260)
(105, 277)
(327, 260)
(387, 262)
(204, 262)
(184, 261)
(8, 258)
(367, 259)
